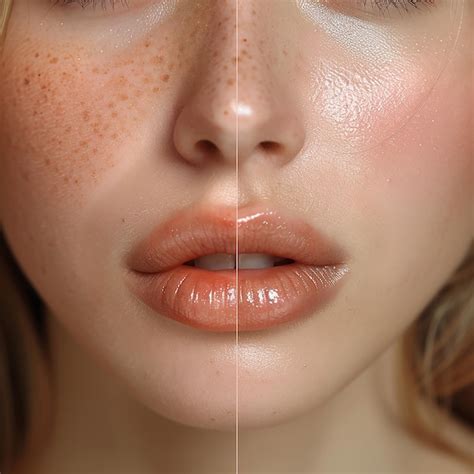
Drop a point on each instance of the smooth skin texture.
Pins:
(100, 114)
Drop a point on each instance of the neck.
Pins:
(99, 427)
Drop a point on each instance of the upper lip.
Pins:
(192, 233)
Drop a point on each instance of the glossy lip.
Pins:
(230, 300)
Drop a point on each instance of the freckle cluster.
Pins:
(78, 107)
(256, 70)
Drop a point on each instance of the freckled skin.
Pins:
(96, 148)
(80, 91)
(78, 78)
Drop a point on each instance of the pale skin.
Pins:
(377, 116)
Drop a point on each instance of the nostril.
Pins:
(271, 147)
(206, 147)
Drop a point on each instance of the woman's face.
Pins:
(370, 113)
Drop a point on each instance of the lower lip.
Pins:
(247, 300)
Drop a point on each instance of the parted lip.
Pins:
(198, 231)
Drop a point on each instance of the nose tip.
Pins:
(203, 135)
(268, 131)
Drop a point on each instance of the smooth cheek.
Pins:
(399, 136)
(359, 105)
(362, 82)
(427, 163)
(413, 193)
(413, 199)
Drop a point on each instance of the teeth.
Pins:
(217, 261)
(255, 260)
(226, 261)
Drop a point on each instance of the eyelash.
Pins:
(382, 5)
(405, 5)
(85, 3)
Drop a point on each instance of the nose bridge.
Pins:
(256, 51)
(268, 117)
(218, 75)
(256, 83)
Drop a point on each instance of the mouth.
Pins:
(227, 261)
(220, 271)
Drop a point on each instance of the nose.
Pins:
(267, 129)
(206, 129)
(203, 135)
(236, 110)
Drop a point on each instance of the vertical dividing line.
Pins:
(237, 236)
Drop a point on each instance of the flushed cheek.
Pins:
(411, 185)
(415, 190)
(354, 105)
(367, 79)
(432, 154)
(359, 105)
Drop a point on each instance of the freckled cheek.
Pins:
(64, 131)
(64, 128)
(68, 121)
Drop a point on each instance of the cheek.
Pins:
(361, 107)
(68, 120)
(366, 82)
(394, 136)
(69, 112)
(357, 107)
(418, 183)
(413, 198)
(429, 160)
(403, 201)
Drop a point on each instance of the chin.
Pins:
(209, 400)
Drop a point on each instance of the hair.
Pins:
(436, 359)
(5, 7)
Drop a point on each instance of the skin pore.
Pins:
(99, 114)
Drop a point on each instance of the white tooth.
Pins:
(255, 260)
(225, 261)
(217, 261)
